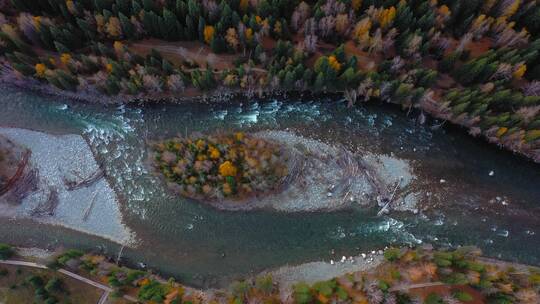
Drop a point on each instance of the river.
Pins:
(206, 247)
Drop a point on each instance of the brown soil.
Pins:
(478, 48)
(268, 43)
(366, 61)
(179, 52)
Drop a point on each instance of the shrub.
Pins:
(534, 279)
(325, 288)
(384, 286)
(50, 300)
(153, 291)
(54, 285)
(463, 296)
(392, 254)
(68, 255)
(302, 293)
(264, 284)
(6, 251)
(134, 275)
(240, 289)
(433, 298)
(36, 281)
(456, 278)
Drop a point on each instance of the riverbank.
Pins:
(63, 185)
(429, 108)
(408, 274)
(313, 272)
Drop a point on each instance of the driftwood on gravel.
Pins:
(90, 207)
(373, 178)
(18, 174)
(25, 185)
(84, 182)
(47, 207)
(386, 207)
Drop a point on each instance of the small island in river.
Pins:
(283, 171)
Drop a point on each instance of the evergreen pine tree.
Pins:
(127, 27)
(61, 48)
(135, 7)
(308, 76)
(289, 79)
(200, 29)
(171, 25)
(149, 5)
(319, 82)
(190, 30)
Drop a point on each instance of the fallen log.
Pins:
(84, 183)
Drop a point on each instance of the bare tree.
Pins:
(310, 43)
(532, 88)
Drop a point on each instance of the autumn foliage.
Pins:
(230, 165)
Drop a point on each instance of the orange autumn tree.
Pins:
(209, 32)
(40, 70)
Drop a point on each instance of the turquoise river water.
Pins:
(206, 247)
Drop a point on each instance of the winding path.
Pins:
(414, 286)
(106, 289)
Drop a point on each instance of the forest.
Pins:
(474, 63)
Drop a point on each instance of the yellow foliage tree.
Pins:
(244, 4)
(37, 22)
(40, 70)
(227, 169)
(361, 30)
(520, 71)
(478, 21)
(511, 9)
(501, 131)
(114, 28)
(239, 136)
(10, 31)
(387, 16)
(118, 47)
(232, 38)
(71, 7)
(444, 10)
(334, 63)
(208, 33)
(100, 23)
(356, 4)
(278, 28)
(249, 34)
(488, 5)
(214, 153)
(65, 58)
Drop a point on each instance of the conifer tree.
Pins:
(127, 27)
(172, 27)
(319, 82)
